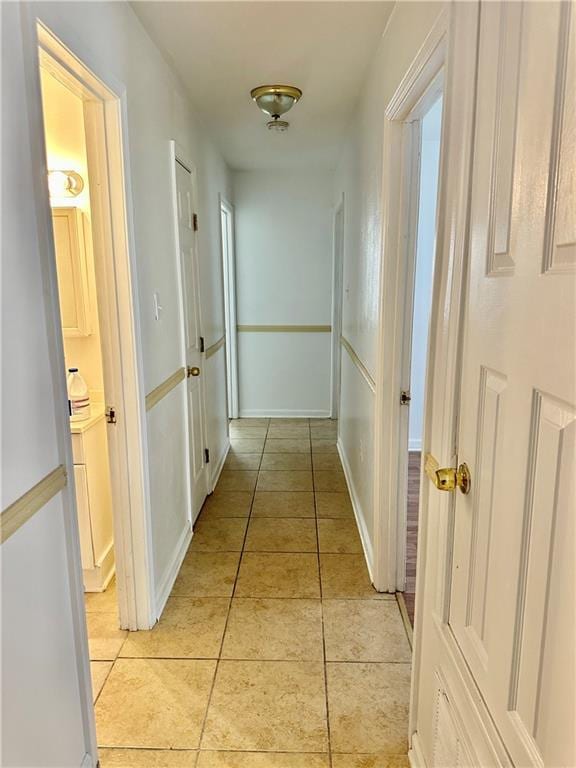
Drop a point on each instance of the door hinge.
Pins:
(195, 222)
(201, 343)
(206, 455)
(405, 397)
(111, 414)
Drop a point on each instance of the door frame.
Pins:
(114, 258)
(230, 313)
(417, 90)
(412, 140)
(337, 287)
(442, 407)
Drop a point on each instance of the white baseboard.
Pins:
(97, 579)
(88, 761)
(167, 582)
(415, 754)
(282, 414)
(415, 444)
(219, 466)
(356, 506)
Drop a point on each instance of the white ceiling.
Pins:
(221, 50)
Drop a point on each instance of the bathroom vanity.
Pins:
(94, 498)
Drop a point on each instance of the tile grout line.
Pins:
(219, 659)
(321, 613)
(375, 662)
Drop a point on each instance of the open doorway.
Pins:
(69, 185)
(83, 144)
(71, 222)
(229, 281)
(418, 306)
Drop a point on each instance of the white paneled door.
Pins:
(511, 605)
(186, 220)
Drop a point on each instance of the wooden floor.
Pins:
(412, 530)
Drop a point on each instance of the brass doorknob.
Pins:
(447, 478)
(193, 371)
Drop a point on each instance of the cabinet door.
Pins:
(69, 243)
(83, 504)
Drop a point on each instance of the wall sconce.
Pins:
(65, 183)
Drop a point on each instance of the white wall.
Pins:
(429, 159)
(44, 720)
(157, 110)
(284, 232)
(359, 177)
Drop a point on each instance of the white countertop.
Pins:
(96, 413)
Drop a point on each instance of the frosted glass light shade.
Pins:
(275, 100)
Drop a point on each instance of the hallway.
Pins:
(273, 640)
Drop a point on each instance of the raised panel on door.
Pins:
(543, 671)
(484, 381)
(197, 459)
(514, 546)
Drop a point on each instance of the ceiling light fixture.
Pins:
(65, 183)
(275, 100)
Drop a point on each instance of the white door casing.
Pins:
(229, 288)
(191, 318)
(421, 85)
(494, 668)
(111, 230)
(337, 288)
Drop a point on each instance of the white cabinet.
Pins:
(93, 499)
(70, 241)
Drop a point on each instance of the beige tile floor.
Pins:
(274, 650)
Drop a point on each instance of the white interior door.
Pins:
(512, 608)
(186, 219)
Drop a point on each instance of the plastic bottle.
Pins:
(78, 396)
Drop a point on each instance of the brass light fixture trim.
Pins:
(275, 100)
(65, 183)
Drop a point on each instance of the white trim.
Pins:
(412, 96)
(114, 257)
(408, 251)
(97, 579)
(357, 507)
(229, 300)
(217, 471)
(441, 396)
(170, 574)
(88, 762)
(415, 444)
(337, 283)
(415, 753)
(270, 413)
